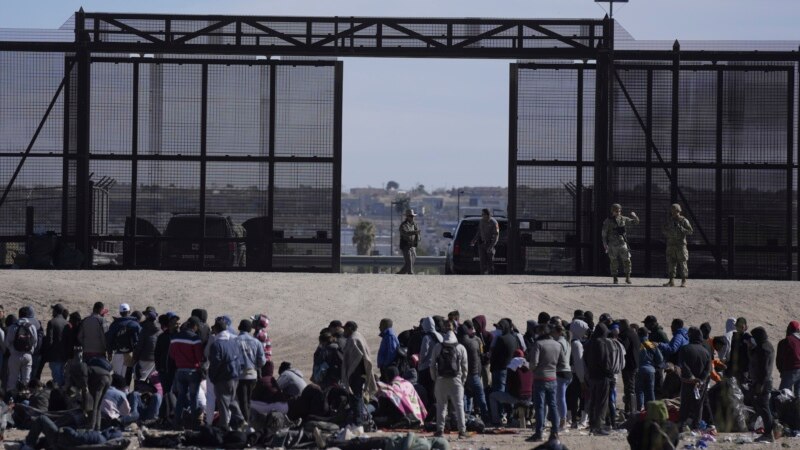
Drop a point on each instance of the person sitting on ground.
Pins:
(117, 408)
(655, 432)
(402, 394)
(290, 380)
(267, 396)
(520, 386)
(66, 437)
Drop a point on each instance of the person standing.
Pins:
(650, 359)
(55, 344)
(473, 389)
(695, 363)
(545, 357)
(225, 364)
(21, 341)
(449, 369)
(92, 333)
(598, 359)
(762, 359)
(121, 338)
(409, 240)
(631, 342)
(253, 359)
(563, 372)
(387, 352)
(788, 358)
(357, 371)
(186, 350)
(144, 354)
(675, 230)
(615, 241)
(486, 239)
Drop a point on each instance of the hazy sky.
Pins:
(444, 123)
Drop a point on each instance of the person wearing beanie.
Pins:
(762, 360)
(144, 354)
(787, 358)
(253, 359)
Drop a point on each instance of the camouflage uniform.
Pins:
(409, 239)
(676, 230)
(614, 239)
(486, 238)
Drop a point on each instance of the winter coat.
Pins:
(762, 359)
(186, 350)
(630, 341)
(387, 352)
(56, 340)
(695, 361)
(461, 354)
(224, 358)
(92, 334)
(679, 339)
(472, 344)
(650, 357)
(578, 330)
(117, 326)
(598, 354)
(145, 349)
(788, 355)
(430, 338)
(504, 347)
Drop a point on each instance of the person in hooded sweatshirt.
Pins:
(598, 357)
(650, 359)
(21, 342)
(387, 352)
(545, 357)
(430, 338)
(473, 388)
(730, 328)
(679, 339)
(55, 348)
(479, 322)
(144, 354)
(787, 358)
(449, 369)
(762, 359)
(504, 344)
(576, 389)
(631, 343)
(357, 371)
(695, 363)
(122, 337)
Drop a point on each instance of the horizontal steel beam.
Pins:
(422, 261)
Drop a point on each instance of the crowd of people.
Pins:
(445, 374)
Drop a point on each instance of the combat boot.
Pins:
(683, 282)
(670, 283)
(628, 278)
(616, 281)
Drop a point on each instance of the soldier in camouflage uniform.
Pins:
(676, 229)
(409, 240)
(615, 242)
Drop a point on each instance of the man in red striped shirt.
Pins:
(186, 350)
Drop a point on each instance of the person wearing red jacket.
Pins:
(186, 350)
(787, 358)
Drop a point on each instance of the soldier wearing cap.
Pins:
(676, 229)
(615, 242)
(409, 239)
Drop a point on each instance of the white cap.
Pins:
(124, 307)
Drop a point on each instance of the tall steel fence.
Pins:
(716, 137)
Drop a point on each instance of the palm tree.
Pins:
(364, 237)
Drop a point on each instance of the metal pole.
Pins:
(203, 165)
(718, 180)
(513, 252)
(336, 207)
(83, 185)
(731, 247)
(391, 228)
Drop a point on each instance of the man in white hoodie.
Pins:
(449, 369)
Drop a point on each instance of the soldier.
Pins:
(409, 239)
(615, 243)
(486, 238)
(676, 229)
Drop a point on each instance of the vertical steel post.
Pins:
(648, 183)
(789, 168)
(514, 251)
(271, 185)
(731, 247)
(676, 74)
(130, 261)
(602, 130)
(718, 178)
(336, 207)
(65, 205)
(579, 177)
(203, 163)
(83, 205)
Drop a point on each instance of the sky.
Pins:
(444, 123)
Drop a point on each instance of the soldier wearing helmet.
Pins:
(675, 230)
(615, 241)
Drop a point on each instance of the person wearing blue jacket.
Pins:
(387, 352)
(224, 358)
(680, 339)
(650, 360)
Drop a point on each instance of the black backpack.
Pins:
(23, 337)
(447, 362)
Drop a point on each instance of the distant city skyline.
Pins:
(444, 123)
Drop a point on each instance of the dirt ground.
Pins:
(299, 305)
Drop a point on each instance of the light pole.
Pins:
(391, 226)
(458, 205)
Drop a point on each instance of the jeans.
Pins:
(148, 410)
(187, 383)
(57, 369)
(575, 399)
(42, 425)
(474, 394)
(499, 398)
(499, 380)
(790, 379)
(544, 396)
(645, 387)
(561, 394)
(762, 407)
(612, 401)
(135, 401)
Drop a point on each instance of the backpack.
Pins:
(23, 337)
(123, 340)
(447, 362)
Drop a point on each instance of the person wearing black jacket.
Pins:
(55, 348)
(695, 363)
(144, 354)
(597, 356)
(503, 350)
(738, 360)
(474, 385)
(164, 364)
(630, 341)
(762, 359)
